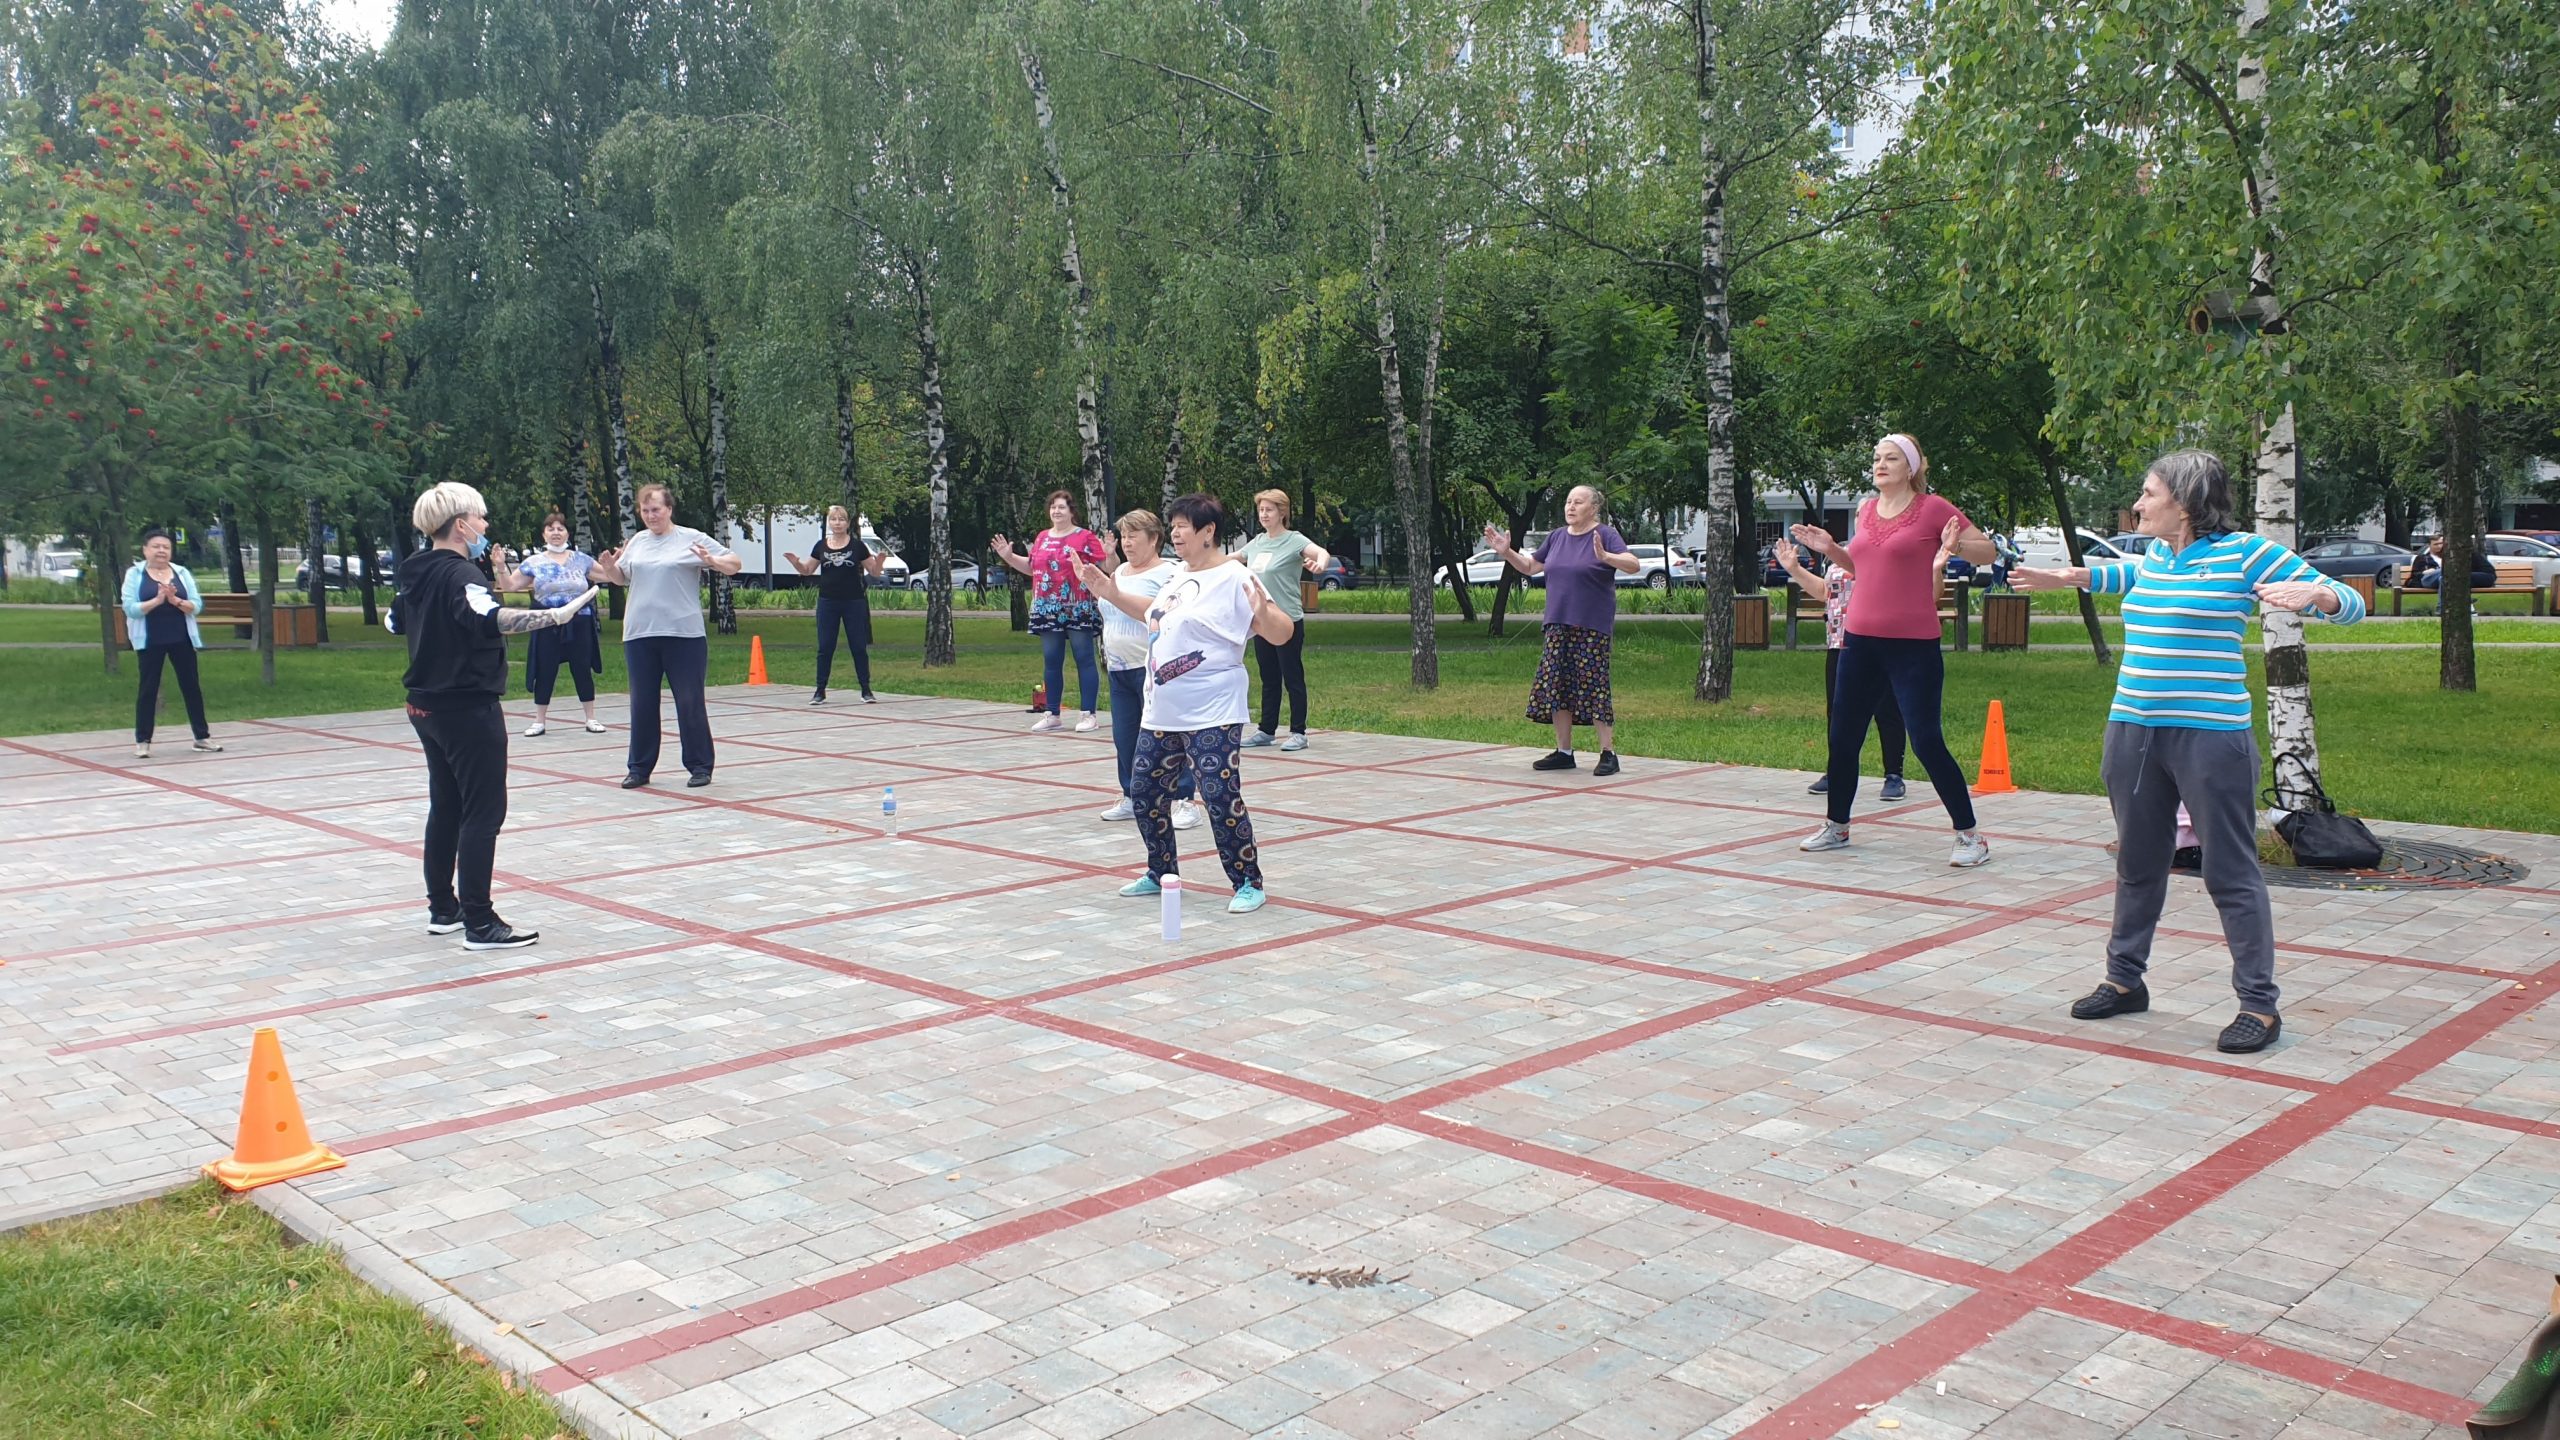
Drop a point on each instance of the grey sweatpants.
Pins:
(2148, 770)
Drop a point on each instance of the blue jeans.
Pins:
(682, 661)
(1914, 675)
(1053, 658)
(1128, 706)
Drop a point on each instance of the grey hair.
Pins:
(436, 510)
(2200, 486)
(1599, 499)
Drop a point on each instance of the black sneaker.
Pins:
(1819, 787)
(497, 935)
(443, 922)
(1894, 789)
(870, 699)
(2248, 1035)
(1608, 763)
(696, 782)
(2107, 1000)
(1554, 760)
(634, 780)
(820, 698)
(2187, 860)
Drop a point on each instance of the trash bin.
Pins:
(1750, 622)
(2005, 622)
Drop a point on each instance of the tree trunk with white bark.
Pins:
(1089, 434)
(1715, 344)
(724, 600)
(1411, 507)
(941, 646)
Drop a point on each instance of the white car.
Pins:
(2512, 548)
(1654, 574)
(62, 565)
(2043, 550)
(1484, 568)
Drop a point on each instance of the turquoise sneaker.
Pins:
(1248, 899)
(1140, 888)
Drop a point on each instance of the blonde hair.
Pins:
(1142, 522)
(1276, 497)
(443, 504)
(1918, 459)
(654, 488)
(835, 510)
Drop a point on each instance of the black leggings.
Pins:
(181, 657)
(1888, 714)
(1914, 674)
(1283, 666)
(852, 620)
(466, 805)
(544, 651)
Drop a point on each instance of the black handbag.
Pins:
(2320, 837)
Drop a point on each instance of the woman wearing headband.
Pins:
(1891, 639)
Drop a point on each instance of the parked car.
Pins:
(964, 576)
(1339, 575)
(1655, 571)
(1483, 568)
(2547, 537)
(62, 565)
(2346, 559)
(2544, 558)
(340, 576)
(2043, 549)
(2131, 546)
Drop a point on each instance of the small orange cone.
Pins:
(273, 1143)
(1993, 777)
(755, 662)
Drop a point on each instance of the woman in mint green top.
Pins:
(1277, 557)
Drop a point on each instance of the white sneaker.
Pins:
(1186, 816)
(1832, 836)
(1256, 739)
(533, 729)
(1971, 850)
(1087, 723)
(141, 751)
(595, 727)
(1121, 810)
(1045, 722)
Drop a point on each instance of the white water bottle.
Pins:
(1172, 903)
(889, 810)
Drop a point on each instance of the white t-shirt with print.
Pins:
(1124, 636)
(1201, 621)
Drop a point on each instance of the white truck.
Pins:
(762, 538)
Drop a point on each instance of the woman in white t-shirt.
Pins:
(1195, 693)
(1143, 571)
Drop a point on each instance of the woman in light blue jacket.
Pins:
(160, 605)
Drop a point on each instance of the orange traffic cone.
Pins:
(1993, 777)
(273, 1143)
(755, 662)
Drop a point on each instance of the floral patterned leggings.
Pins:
(1154, 778)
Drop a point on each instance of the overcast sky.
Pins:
(367, 20)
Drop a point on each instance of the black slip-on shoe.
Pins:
(2248, 1035)
(1608, 763)
(634, 782)
(2107, 1000)
(696, 782)
(1553, 760)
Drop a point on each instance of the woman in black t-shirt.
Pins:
(844, 566)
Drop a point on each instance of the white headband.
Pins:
(1910, 449)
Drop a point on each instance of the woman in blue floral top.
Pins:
(556, 575)
(1063, 614)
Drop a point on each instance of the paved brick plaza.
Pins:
(1657, 1126)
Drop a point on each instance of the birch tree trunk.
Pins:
(2293, 740)
(582, 475)
(724, 600)
(1172, 458)
(2457, 662)
(1715, 338)
(617, 428)
(848, 473)
(1442, 529)
(1089, 436)
(1411, 508)
(941, 646)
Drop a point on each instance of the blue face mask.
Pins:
(479, 545)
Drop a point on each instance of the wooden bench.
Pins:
(2515, 577)
(296, 625)
(1955, 603)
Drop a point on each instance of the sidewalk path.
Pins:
(1648, 1124)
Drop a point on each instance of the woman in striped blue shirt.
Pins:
(2181, 727)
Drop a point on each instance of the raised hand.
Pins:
(1000, 545)
(1812, 537)
(793, 560)
(2023, 578)
(1493, 537)
(701, 552)
(2291, 594)
(611, 559)
(1789, 557)
(1950, 537)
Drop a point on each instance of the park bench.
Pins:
(1955, 603)
(2515, 577)
(295, 624)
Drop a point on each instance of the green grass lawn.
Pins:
(194, 1317)
(2394, 745)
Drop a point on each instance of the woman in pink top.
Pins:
(1891, 647)
(1063, 613)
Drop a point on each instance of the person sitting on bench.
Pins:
(2427, 571)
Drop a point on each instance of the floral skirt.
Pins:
(1573, 675)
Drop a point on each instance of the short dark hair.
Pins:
(1202, 511)
(154, 533)
(1057, 495)
(2196, 480)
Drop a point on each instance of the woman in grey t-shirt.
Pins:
(662, 634)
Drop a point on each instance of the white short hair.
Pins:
(443, 505)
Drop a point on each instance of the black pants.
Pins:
(1914, 674)
(466, 805)
(181, 658)
(544, 651)
(853, 618)
(1888, 714)
(1283, 666)
(682, 661)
